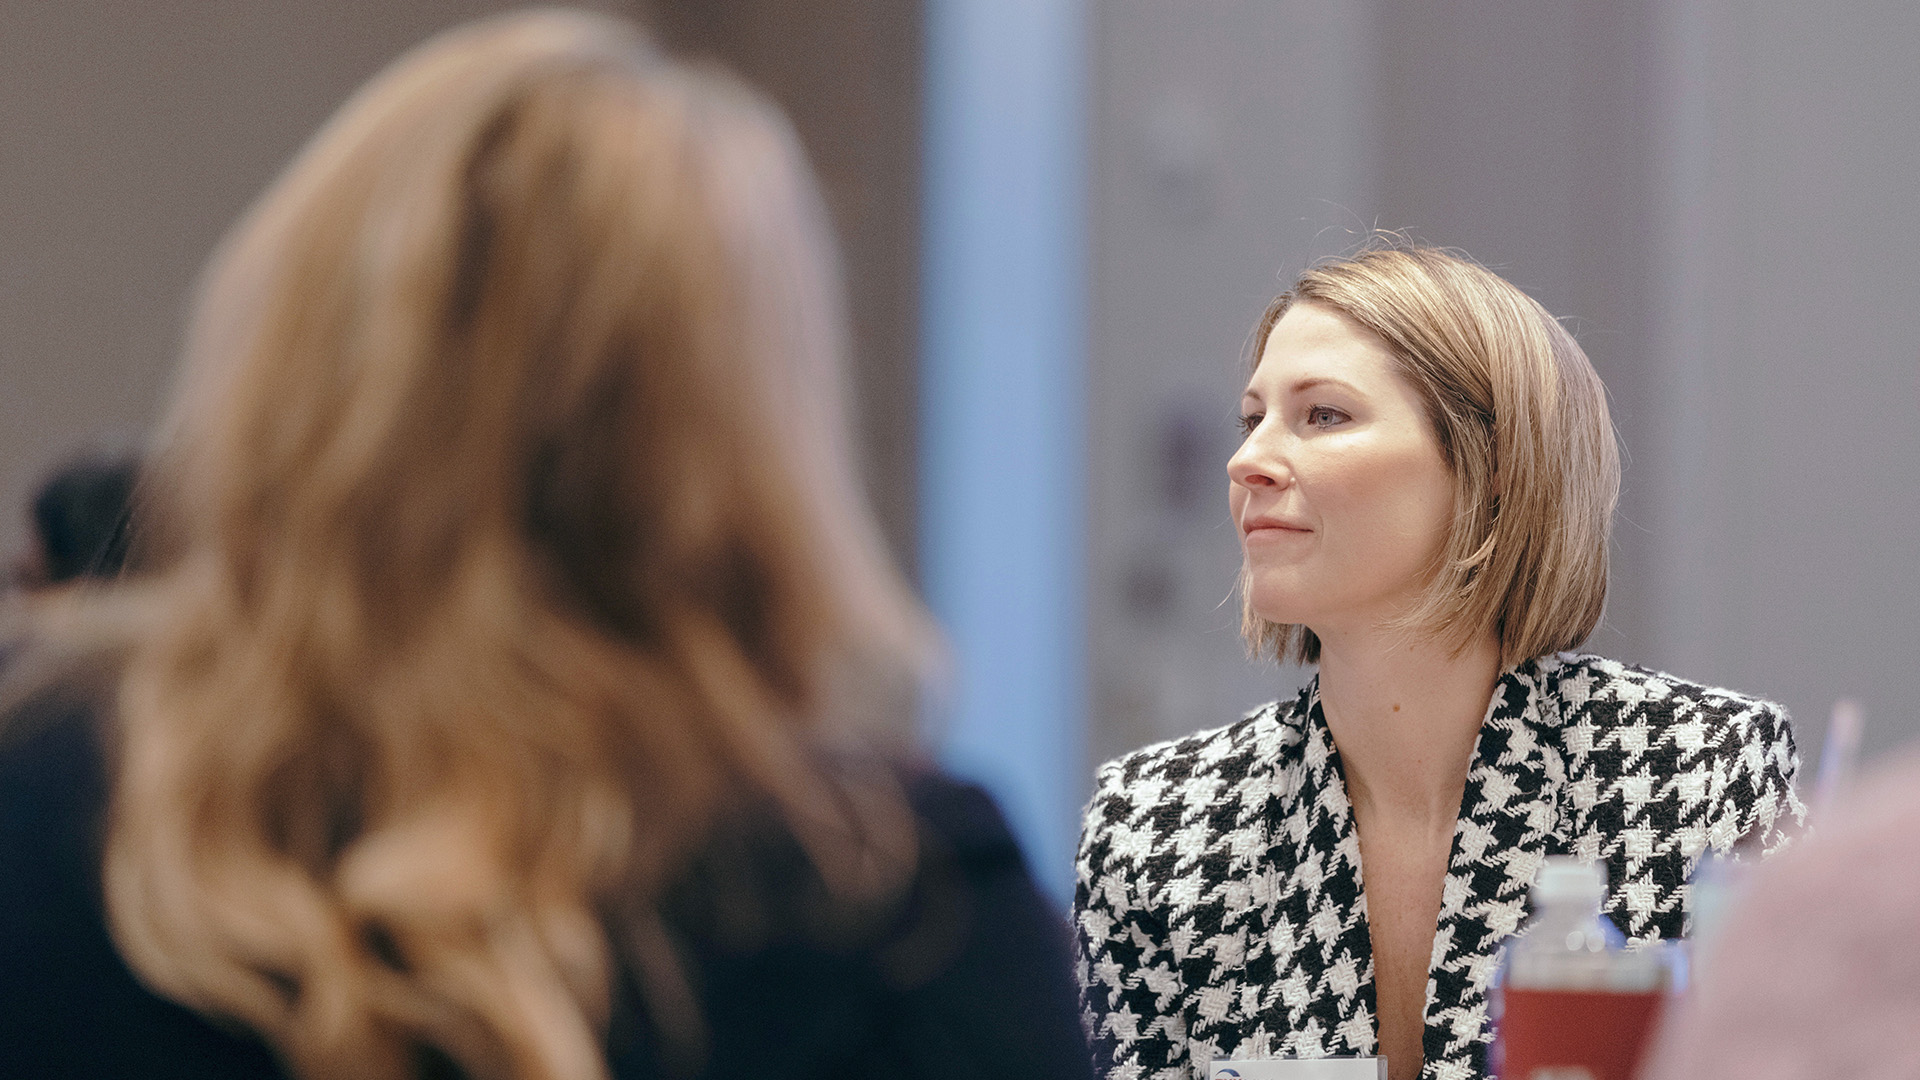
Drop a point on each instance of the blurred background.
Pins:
(1059, 220)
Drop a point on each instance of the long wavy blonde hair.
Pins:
(506, 532)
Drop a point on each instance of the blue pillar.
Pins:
(1002, 476)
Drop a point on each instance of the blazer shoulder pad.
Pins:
(1223, 753)
(1607, 705)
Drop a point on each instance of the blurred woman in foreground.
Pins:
(517, 690)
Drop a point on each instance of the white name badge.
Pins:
(1332, 1068)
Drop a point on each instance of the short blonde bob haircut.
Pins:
(1521, 418)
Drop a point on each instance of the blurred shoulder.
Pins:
(53, 741)
(1811, 968)
(961, 813)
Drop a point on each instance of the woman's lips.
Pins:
(1268, 528)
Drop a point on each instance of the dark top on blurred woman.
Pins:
(965, 977)
(517, 690)
(1424, 491)
(81, 522)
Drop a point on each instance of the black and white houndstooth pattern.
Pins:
(1219, 910)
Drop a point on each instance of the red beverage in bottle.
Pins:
(1572, 1002)
(1574, 1034)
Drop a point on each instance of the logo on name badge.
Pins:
(1330, 1068)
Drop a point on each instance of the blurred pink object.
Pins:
(1838, 755)
(1816, 971)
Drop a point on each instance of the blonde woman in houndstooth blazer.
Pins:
(1424, 496)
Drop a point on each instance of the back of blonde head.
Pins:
(506, 529)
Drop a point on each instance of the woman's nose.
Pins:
(1255, 465)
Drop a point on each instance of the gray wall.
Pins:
(1714, 194)
(1230, 143)
(131, 135)
(848, 73)
(1523, 133)
(1788, 532)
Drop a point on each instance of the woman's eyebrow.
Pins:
(1311, 381)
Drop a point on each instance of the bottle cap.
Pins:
(1565, 879)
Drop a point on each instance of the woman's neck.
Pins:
(1405, 715)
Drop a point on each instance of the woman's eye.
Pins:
(1322, 416)
(1249, 421)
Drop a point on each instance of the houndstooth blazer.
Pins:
(1219, 909)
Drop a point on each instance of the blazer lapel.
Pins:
(1507, 818)
(1310, 942)
(1218, 933)
(1308, 988)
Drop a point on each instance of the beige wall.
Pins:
(1230, 144)
(1789, 384)
(848, 73)
(1715, 191)
(1718, 196)
(1526, 133)
(132, 134)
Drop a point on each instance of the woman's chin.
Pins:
(1280, 612)
(1277, 595)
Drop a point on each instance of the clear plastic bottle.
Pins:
(1571, 1001)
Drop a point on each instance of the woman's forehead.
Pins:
(1312, 345)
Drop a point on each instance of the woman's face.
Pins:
(1341, 493)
